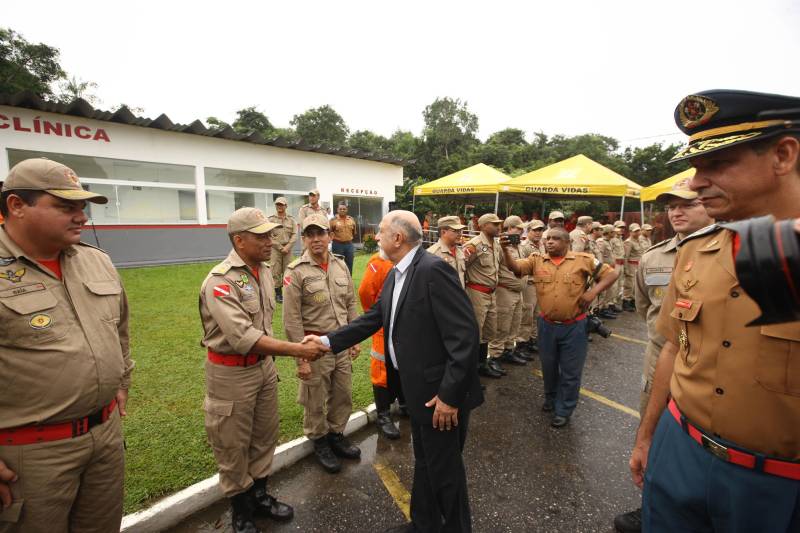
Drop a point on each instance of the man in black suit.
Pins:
(432, 343)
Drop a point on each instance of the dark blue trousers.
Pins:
(345, 249)
(686, 488)
(562, 350)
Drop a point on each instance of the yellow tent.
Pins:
(576, 176)
(650, 193)
(477, 179)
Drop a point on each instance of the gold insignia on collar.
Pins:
(13, 276)
(696, 110)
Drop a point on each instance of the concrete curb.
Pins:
(171, 510)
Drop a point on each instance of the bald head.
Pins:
(400, 232)
(406, 223)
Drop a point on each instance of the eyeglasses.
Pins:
(691, 205)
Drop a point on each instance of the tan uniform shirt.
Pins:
(306, 210)
(591, 247)
(457, 261)
(633, 249)
(559, 287)
(506, 278)
(645, 242)
(343, 230)
(617, 248)
(63, 343)
(604, 253)
(235, 307)
(578, 240)
(286, 234)
(315, 300)
(741, 383)
(483, 266)
(652, 279)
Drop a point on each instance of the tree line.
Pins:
(448, 141)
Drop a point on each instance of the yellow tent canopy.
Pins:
(576, 176)
(650, 193)
(477, 179)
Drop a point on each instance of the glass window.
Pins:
(112, 169)
(142, 205)
(367, 212)
(257, 180)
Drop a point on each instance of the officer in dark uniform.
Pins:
(724, 455)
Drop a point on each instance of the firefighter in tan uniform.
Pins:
(483, 268)
(718, 448)
(596, 233)
(306, 210)
(241, 404)
(64, 360)
(579, 237)
(448, 247)
(633, 254)
(605, 255)
(318, 297)
(343, 231)
(283, 238)
(686, 215)
(527, 338)
(645, 237)
(509, 302)
(618, 252)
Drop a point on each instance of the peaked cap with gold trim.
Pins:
(723, 118)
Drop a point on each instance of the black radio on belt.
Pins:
(768, 267)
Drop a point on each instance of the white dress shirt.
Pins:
(400, 270)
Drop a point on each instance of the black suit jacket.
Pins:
(435, 336)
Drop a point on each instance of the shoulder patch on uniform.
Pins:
(708, 230)
(338, 256)
(5, 261)
(658, 244)
(294, 263)
(92, 246)
(221, 269)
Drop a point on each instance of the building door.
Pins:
(367, 212)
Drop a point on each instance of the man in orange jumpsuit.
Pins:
(369, 290)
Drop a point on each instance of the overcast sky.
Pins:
(612, 67)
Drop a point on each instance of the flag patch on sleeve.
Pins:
(221, 290)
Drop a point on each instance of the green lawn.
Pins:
(166, 441)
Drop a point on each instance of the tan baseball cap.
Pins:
(556, 214)
(513, 222)
(40, 174)
(634, 227)
(318, 220)
(585, 219)
(619, 224)
(250, 219)
(679, 190)
(597, 225)
(536, 224)
(315, 192)
(452, 222)
(608, 228)
(489, 218)
(647, 226)
(281, 200)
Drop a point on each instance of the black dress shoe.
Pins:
(548, 406)
(607, 315)
(325, 456)
(630, 522)
(509, 357)
(527, 356)
(386, 426)
(559, 421)
(486, 371)
(268, 506)
(614, 309)
(494, 364)
(342, 447)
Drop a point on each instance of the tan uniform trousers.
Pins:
(509, 315)
(485, 308)
(630, 275)
(278, 263)
(241, 408)
(70, 485)
(527, 325)
(327, 396)
(616, 288)
(648, 371)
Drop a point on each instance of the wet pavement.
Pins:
(523, 475)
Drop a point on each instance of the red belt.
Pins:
(564, 322)
(49, 432)
(481, 288)
(620, 261)
(633, 262)
(776, 467)
(234, 359)
(317, 333)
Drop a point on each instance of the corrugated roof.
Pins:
(82, 108)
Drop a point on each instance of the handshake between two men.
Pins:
(313, 345)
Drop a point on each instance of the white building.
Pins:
(172, 187)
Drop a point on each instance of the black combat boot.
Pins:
(325, 456)
(494, 364)
(509, 357)
(630, 522)
(483, 364)
(386, 426)
(242, 514)
(268, 506)
(342, 447)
